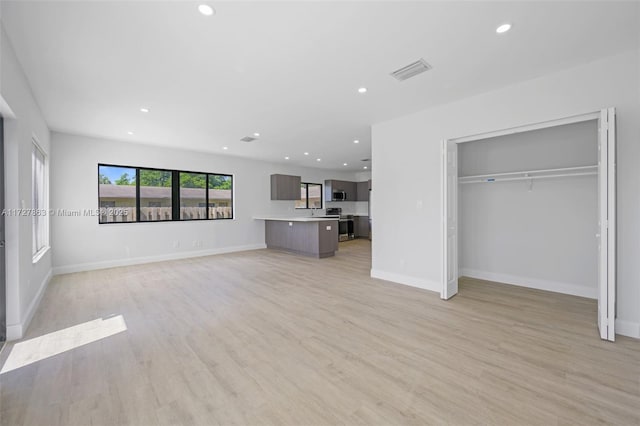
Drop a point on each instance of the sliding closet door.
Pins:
(606, 225)
(450, 219)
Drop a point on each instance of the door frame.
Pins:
(607, 172)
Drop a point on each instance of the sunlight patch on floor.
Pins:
(57, 342)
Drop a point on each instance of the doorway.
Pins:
(604, 232)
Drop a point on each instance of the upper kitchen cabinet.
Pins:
(362, 193)
(340, 190)
(285, 187)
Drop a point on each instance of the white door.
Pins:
(450, 219)
(606, 224)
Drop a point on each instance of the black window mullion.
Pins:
(137, 194)
(175, 195)
(206, 201)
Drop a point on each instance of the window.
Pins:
(220, 197)
(117, 193)
(155, 195)
(310, 196)
(193, 196)
(40, 224)
(135, 194)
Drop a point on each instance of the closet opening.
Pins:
(534, 207)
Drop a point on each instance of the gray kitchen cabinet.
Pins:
(361, 226)
(362, 191)
(316, 238)
(332, 185)
(285, 187)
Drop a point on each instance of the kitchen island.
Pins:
(309, 236)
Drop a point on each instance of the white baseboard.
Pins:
(16, 331)
(538, 284)
(406, 280)
(628, 328)
(81, 267)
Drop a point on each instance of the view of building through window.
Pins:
(119, 200)
(310, 196)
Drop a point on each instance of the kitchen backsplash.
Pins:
(358, 208)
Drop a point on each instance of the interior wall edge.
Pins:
(406, 280)
(628, 328)
(16, 331)
(534, 283)
(92, 266)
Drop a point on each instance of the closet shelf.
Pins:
(531, 174)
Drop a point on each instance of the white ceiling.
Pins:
(288, 70)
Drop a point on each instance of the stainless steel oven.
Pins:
(345, 228)
(345, 224)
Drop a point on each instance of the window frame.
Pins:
(40, 214)
(175, 194)
(138, 206)
(306, 190)
(206, 194)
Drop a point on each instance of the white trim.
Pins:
(5, 109)
(611, 223)
(16, 331)
(406, 280)
(90, 266)
(40, 254)
(528, 127)
(536, 283)
(628, 328)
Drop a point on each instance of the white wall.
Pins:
(539, 236)
(25, 281)
(407, 168)
(80, 243)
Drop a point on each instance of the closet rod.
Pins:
(507, 179)
(566, 169)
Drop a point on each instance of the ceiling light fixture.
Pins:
(225, 147)
(362, 90)
(286, 158)
(130, 133)
(365, 167)
(318, 159)
(257, 135)
(205, 9)
(345, 164)
(306, 153)
(143, 109)
(356, 141)
(503, 28)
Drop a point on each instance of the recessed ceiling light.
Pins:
(306, 153)
(225, 147)
(364, 167)
(345, 164)
(318, 159)
(205, 9)
(503, 28)
(257, 135)
(286, 158)
(130, 133)
(362, 90)
(143, 109)
(356, 141)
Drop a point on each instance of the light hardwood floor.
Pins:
(266, 337)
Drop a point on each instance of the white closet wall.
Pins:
(541, 238)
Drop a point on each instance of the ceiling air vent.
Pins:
(411, 70)
(366, 159)
(248, 139)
